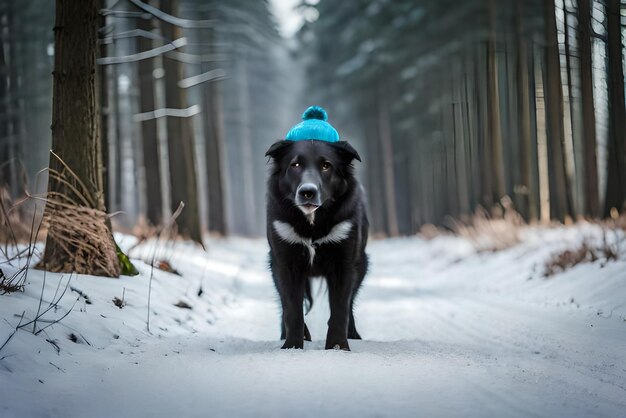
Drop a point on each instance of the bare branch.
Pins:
(178, 43)
(195, 59)
(135, 33)
(173, 20)
(166, 226)
(159, 113)
(211, 75)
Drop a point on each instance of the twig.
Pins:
(60, 369)
(167, 225)
(14, 331)
(59, 319)
(81, 294)
(55, 345)
(52, 304)
(6, 218)
(43, 288)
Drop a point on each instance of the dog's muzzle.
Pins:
(308, 196)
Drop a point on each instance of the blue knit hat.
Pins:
(313, 126)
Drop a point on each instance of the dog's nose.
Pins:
(307, 191)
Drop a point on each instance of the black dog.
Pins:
(316, 226)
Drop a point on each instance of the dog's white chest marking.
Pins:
(338, 233)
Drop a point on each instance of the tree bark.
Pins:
(180, 139)
(493, 108)
(590, 170)
(104, 109)
(5, 173)
(9, 130)
(246, 191)
(215, 158)
(483, 148)
(560, 201)
(374, 165)
(150, 146)
(386, 148)
(523, 105)
(76, 140)
(616, 180)
(571, 128)
(215, 149)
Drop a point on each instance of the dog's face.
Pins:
(311, 173)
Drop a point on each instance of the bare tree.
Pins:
(590, 171)
(179, 137)
(560, 201)
(79, 238)
(616, 181)
(493, 103)
(145, 69)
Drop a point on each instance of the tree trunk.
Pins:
(616, 180)
(215, 158)
(104, 108)
(483, 148)
(493, 108)
(461, 138)
(180, 139)
(523, 105)
(246, 192)
(560, 202)
(374, 165)
(150, 146)
(215, 150)
(9, 126)
(571, 108)
(542, 140)
(5, 173)
(78, 239)
(386, 148)
(590, 170)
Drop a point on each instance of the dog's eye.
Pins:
(295, 165)
(326, 166)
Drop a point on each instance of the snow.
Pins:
(449, 331)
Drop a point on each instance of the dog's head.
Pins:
(312, 173)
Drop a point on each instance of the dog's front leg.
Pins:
(292, 298)
(339, 294)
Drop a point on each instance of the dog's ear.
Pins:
(277, 147)
(346, 150)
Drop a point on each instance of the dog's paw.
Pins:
(342, 345)
(293, 344)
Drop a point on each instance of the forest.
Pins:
(492, 143)
(450, 122)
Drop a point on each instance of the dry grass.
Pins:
(585, 252)
(14, 224)
(565, 260)
(79, 236)
(80, 245)
(13, 283)
(489, 232)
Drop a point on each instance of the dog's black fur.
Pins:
(306, 175)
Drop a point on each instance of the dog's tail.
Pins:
(308, 303)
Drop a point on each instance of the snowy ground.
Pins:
(448, 332)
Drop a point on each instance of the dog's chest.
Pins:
(336, 235)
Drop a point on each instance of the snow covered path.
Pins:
(447, 332)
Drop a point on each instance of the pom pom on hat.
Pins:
(315, 112)
(313, 126)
